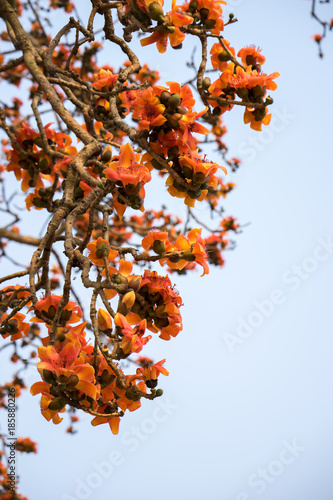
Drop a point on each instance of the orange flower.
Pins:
(133, 339)
(151, 373)
(317, 38)
(26, 445)
(219, 56)
(105, 80)
(198, 173)
(251, 56)
(68, 368)
(132, 175)
(49, 305)
(257, 118)
(148, 109)
(162, 306)
(100, 249)
(156, 240)
(192, 249)
(15, 328)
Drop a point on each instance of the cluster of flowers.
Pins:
(72, 373)
(165, 137)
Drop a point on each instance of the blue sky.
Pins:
(247, 409)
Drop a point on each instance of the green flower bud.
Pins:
(49, 376)
(164, 97)
(73, 381)
(206, 83)
(188, 172)
(102, 250)
(132, 396)
(223, 57)
(159, 247)
(134, 284)
(204, 14)
(132, 189)
(57, 404)
(199, 177)
(106, 154)
(193, 5)
(156, 164)
(156, 11)
(174, 101)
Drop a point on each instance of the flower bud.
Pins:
(132, 189)
(73, 381)
(174, 259)
(223, 57)
(174, 101)
(135, 283)
(128, 299)
(199, 177)
(156, 164)
(188, 255)
(179, 187)
(209, 23)
(106, 378)
(159, 247)
(195, 194)
(173, 152)
(151, 384)
(206, 83)
(132, 396)
(204, 13)
(188, 172)
(102, 250)
(48, 376)
(104, 320)
(164, 97)
(181, 109)
(155, 11)
(62, 379)
(193, 5)
(106, 154)
(57, 404)
(159, 393)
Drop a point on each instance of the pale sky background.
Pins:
(247, 411)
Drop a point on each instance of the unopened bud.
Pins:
(164, 97)
(107, 154)
(102, 250)
(48, 376)
(129, 299)
(206, 83)
(193, 5)
(135, 283)
(174, 101)
(73, 381)
(188, 255)
(104, 320)
(199, 177)
(57, 404)
(151, 384)
(155, 11)
(159, 246)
